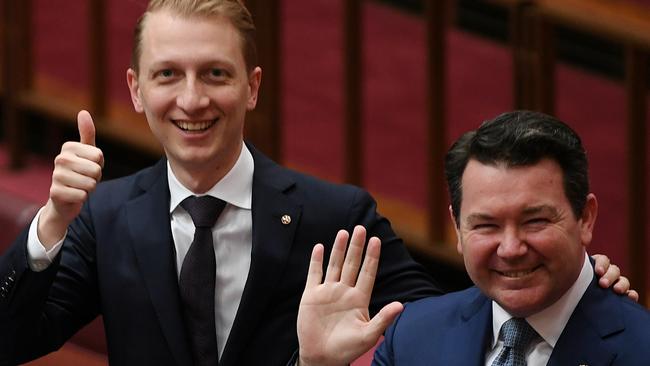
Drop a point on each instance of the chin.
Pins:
(521, 303)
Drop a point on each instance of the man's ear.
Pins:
(254, 81)
(588, 219)
(459, 246)
(134, 89)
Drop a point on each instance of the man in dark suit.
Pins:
(524, 216)
(119, 248)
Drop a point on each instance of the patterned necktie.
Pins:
(197, 279)
(517, 335)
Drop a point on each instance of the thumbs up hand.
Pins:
(77, 170)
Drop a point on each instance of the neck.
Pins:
(200, 177)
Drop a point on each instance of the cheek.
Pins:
(556, 240)
(230, 99)
(160, 98)
(477, 253)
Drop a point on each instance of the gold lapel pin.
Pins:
(286, 219)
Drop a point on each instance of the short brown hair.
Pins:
(233, 10)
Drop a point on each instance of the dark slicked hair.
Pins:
(521, 138)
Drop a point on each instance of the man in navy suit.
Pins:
(524, 216)
(117, 248)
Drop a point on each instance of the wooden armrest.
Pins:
(619, 20)
(511, 3)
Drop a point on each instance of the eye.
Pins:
(164, 74)
(167, 73)
(484, 226)
(217, 72)
(537, 222)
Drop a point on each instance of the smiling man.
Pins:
(200, 259)
(524, 217)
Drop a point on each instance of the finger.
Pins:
(61, 194)
(368, 272)
(315, 274)
(382, 320)
(622, 285)
(353, 256)
(74, 180)
(632, 294)
(86, 128)
(612, 275)
(80, 163)
(336, 257)
(601, 263)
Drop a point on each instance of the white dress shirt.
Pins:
(548, 323)
(232, 238)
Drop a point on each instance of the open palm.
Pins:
(334, 326)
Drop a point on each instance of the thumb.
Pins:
(86, 128)
(384, 318)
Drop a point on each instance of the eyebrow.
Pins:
(545, 209)
(472, 219)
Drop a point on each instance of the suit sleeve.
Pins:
(399, 277)
(41, 310)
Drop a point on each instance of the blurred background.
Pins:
(365, 92)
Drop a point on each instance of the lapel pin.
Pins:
(286, 219)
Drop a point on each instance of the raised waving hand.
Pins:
(334, 326)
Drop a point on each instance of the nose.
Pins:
(512, 244)
(192, 97)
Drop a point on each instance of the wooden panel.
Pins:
(437, 100)
(618, 20)
(353, 139)
(16, 75)
(263, 126)
(98, 57)
(636, 71)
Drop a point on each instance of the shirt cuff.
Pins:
(37, 257)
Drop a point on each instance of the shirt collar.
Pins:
(550, 322)
(236, 187)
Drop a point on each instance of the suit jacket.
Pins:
(118, 261)
(456, 329)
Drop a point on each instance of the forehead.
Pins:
(166, 34)
(488, 187)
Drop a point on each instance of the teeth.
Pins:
(194, 126)
(516, 274)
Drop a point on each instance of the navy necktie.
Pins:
(517, 335)
(197, 280)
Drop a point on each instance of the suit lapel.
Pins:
(473, 329)
(582, 341)
(272, 241)
(149, 225)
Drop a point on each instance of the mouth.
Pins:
(517, 273)
(194, 126)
